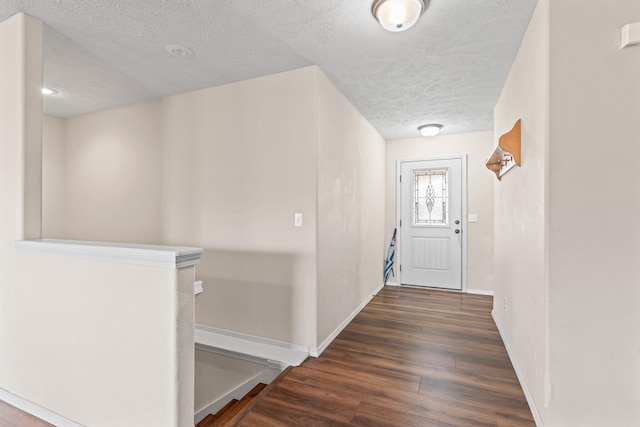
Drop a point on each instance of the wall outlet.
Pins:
(297, 220)
(505, 303)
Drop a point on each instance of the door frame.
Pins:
(465, 224)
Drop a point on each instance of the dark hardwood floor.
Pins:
(412, 357)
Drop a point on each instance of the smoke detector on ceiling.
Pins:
(178, 51)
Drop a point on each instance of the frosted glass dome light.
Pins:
(430, 130)
(398, 15)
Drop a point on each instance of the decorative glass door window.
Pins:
(430, 196)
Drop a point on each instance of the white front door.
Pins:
(431, 223)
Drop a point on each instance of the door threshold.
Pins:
(432, 288)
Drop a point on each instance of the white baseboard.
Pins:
(266, 376)
(479, 292)
(392, 284)
(36, 410)
(252, 348)
(317, 352)
(527, 394)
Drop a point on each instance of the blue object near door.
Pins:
(388, 265)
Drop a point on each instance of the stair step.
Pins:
(210, 419)
(206, 421)
(235, 412)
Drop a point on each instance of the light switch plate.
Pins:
(297, 220)
(473, 217)
(630, 35)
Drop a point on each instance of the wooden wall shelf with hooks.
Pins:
(507, 154)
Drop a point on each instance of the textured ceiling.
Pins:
(449, 68)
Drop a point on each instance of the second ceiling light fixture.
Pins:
(398, 15)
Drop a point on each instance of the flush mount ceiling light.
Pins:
(430, 130)
(398, 15)
(47, 91)
(178, 50)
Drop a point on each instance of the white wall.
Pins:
(238, 161)
(112, 175)
(114, 346)
(223, 168)
(573, 316)
(99, 343)
(21, 124)
(350, 213)
(594, 206)
(520, 210)
(53, 177)
(226, 169)
(478, 146)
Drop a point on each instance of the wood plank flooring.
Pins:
(412, 357)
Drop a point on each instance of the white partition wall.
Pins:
(84, 332)
(235, 164)
(566, 222)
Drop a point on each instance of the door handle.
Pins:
(457, 221)
(457, 231)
